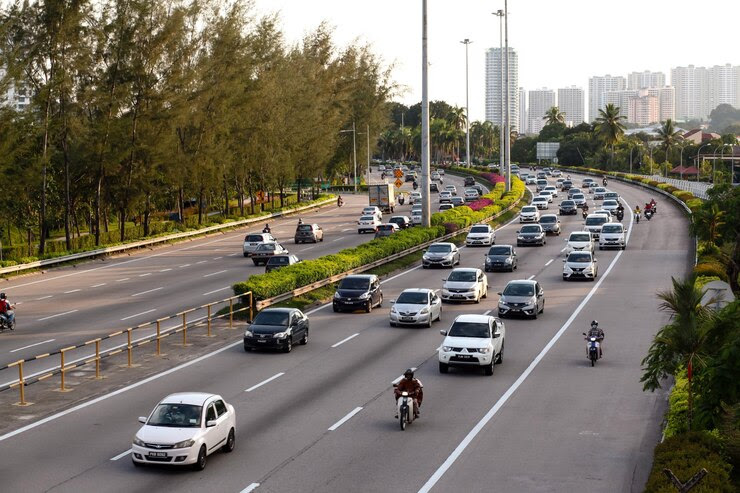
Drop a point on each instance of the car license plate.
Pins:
(157, 454)
(261, 340)
(464, 356)
(407, 319)
(457, 296)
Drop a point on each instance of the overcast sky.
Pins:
(560, 43)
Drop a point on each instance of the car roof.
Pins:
(548, 215)
(362, 276)
(580, 232)
(527, 282)
(470, 317)
(400, 217)
(194, 398)
(443, 243)
(480, 224)
(466, 269)
(417, 290)
(597, 214)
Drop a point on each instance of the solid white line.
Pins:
(165, 270)
(510, 391)
(401, 274)
(184, 265)
(147, 291)
(346, 339)
(345, 419)
(72, 291)
(549, 262)
(250, 488)
(121, 455)
(530, 277)
(487, 312)
(124, 279)
(311, 312)
(144, 275)
(139, 314)
(57, 315)
(277, 375)
(32, 345)
(217, 290)
(215, 273)
(98, 285)
(44, 298)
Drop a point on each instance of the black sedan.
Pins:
(403, 222)
(501, 257)
(531, 234)
(266, 250)
(568, 208)
(277, 328)
(358, 291)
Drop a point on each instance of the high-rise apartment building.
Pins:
(644, 106)
(540, 100)
(16, 96)
(522, 111)
(642, 80)
(597, 87)
(724, 86)
(692, 92)
(571, 102)
(494, 107)
(620, 99)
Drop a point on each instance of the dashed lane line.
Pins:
(345, 419)
(145, 274)
(346, 339)
(215, 273)
(98, 285)
(124, 279)
(138, 314)
(72, 291)
(147, 291)
(263, 382)
(121, 455)
(57, 315)
(217, 290)
(549, 262)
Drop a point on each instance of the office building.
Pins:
(571, 102)
(597, 88)
(494, 107)
(522, 111)
(643, 80)
(540, 100)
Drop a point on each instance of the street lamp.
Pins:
(425, 212)
(354, 150)
(367, 134)
(698, 164)
(714, 161)
(680, 163)
(507, 128)
(500, 15)
(466, 42)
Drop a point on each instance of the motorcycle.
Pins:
(649, 214)
(405, 409)
(584, 213)
(416, 185)
(637, 217)
(7, 323)
(620, 215)
(593, 349)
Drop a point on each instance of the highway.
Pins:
(321, 418)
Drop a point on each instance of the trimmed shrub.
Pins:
(678, 406)
(711, 269)
(702, 281)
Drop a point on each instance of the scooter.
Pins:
(584, 213)
(7, 324)
(593, 349)
(649, 214)
(405, 410)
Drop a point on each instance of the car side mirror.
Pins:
(564, 260)
(499, 293)
(443, 332)
(517, 231)
(142, 419)
(496, 334)
(211, 423)
(583, 333)
(392, 302)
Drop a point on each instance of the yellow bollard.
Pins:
(209, 322)
(128, 347)
(231, 313)
(251, 304)
(184, 330)
(97, 359)
(62, 371)
(21, 385)
(159, 353)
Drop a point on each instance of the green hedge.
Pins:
(711, 269)
(295, 276)
(678, 405)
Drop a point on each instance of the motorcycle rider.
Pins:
(637, 213)
(604, 181)
(585, 210)
(598, 333)
(340, 201)
(266, 229)
(300, 221)
(414, 388)
(6, 311)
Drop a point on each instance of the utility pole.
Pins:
(500, 15)
(367, 128)
(466, 42)
(354, 152)
(425, 212)
(507, 127)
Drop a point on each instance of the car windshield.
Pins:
(440, 248)
(279, 260)
(567, 203)
(176, 416)
(479, 229)
(610, 203)
(368, 210)
(578, 196)
(367, 218)
(469, 329)
(253, 238)
(267, 247)
(462, 276)
(398, 220)
(304, 227)
(611, 228)
(267, 317)
(529, 208)
(530, 229)
(540, 199)
(579, 257)
(385, 227)
(499, 250)
(580, 237)
(354, 283)
(595, 221)
(517, 289)
(600, 190)
(413, 298)
(548, 219)
(445, 192)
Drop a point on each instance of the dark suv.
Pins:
(358, 291)
(308, 232)
(469, 181)
(568, 207)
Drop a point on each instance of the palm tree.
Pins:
(668, 136)
(554, 115)
(683, 342)
(609, 127)
(707, 222)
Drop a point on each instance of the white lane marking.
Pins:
(340, 238)
(147, 291)
(234, 255)
(44, 298)
(124, 279)
(144, 275)
(201, 262)
(549, 262)
(57, 315)
(250, 488)
(345, 419)
(32, 345)
(347, 229)
(309, 248)
(487, 312)
(401, 274)
(263, 382)
(346, 339)
(216, 290)
(72, 291)
(510, 391)
(165, 270)
(184, 265)
(561, 251)
(311, 312)
(98, 285)
(139, 314)
(217, 258)
(530, 277)
(394, 382)
(215, 273)
(121, 455)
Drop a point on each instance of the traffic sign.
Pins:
(398, 183)
(398, 173)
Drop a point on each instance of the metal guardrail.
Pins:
(697, 188)
(154, 241)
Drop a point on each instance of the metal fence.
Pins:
(697, 188)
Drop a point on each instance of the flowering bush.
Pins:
(493, 178)
(480, 204)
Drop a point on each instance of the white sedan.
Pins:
(416, 306)
(368, 223)
(465, 284)
(183, 429)
(540, 202)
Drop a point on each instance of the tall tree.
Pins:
(669, 136)
(554, 116)
(610, 127)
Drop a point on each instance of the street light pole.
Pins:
(466, 42)
(367, 128)
(425, 212)
(500, 15)
(354, 150)
(698, 164)
(680, 161)
(507, 128)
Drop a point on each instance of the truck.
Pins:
(382, 196)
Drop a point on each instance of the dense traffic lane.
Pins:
(283, 425)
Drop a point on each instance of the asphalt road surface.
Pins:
(323, 420)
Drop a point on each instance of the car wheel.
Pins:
(369, 307)
(534, 317)
(304, 339)
(288, 345)
(444, 367)
(335, 309)
(246, 255)
(624, 246)
(485, 293)
(230, 442)
(393, 324)
(477, 299)
(200, 464)
(423, 266)
(518, 244)
(500, 355)
(488, 369)
(501, 314)
(246, 349)
(255, 262)
(380, 303)
(429, 323)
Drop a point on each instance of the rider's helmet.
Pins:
(409, 373)
(2, 296)
(594, 324)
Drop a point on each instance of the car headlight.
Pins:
(281, 335)
(364, 296)
(336, 295)
(184, 444)
(520, 237)
(507, 261)
(424, 311)
(446, 349)
(502, 303)
(138, 442)
(484, 350)
(529, 304)
(568, 270)
(488, 260)
(248, 333)
(393, 309)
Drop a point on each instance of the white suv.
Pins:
(473, 340)
(253, 240)
(465, 284)
(529, 214)
(593, 224)
(481, 235)
(372, 210)
(579, 241)
(612, 236)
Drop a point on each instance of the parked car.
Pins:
(567, 208)
(465, 284)
(580, 265)
(531, 234)
(358, 291)
(472, 341)
(184, 429)
(501, 257)
(403, 222)
(368, 223)
(579, 241)
(386, 229)
(277, 328)
(550, 223)
(481, 235)
(613, 235)
(279, 261)
(253, 240)
(416, 306)
(529, 214)
(521, 297)
(308, 232)
(266, 250)
(440, 255)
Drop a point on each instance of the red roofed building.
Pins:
(699, 136)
